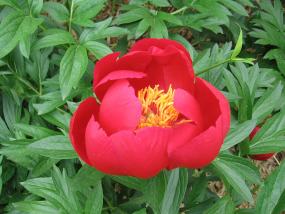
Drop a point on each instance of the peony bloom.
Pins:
(261, 157)
(153, 114)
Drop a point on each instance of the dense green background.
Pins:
(47, 55)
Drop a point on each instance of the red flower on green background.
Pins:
(153, 114)
(261, 157)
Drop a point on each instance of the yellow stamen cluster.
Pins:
(157, 107)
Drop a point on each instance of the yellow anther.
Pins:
(158, 107)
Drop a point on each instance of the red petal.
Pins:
(202, 149)
(262, 157)
(112, 68)
(204, 91)
(104, 66)
(146, 44)
(187, 105)
(170, 67)
(120, 74)
(141, 154)
(78, 125)
(253, 133)
(120, 108)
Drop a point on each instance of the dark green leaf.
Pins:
(58, 147)
(72, 67)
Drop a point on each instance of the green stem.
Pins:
(70, 17)
(212, 66)
(182, 9)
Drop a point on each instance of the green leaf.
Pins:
(267, 103)
(72, 67)
(54, 37)
(142, 211)
(58, 147)
(85, 10)
(14, 27)
(131, 182)
(36, 6)
(34, 131)
(90, 176)
(142, 27)
(154, 191)
(160, 3)
(36, 207)
(48, 106)
(271, 191)
(56, 11)
(96, 34)
(175, 190)
(244, 167)
(169, 18)
(235, 6)
(94, 201)
(132, 16)
(25, 46)
(233, 177)
(238, 46)
(12, 3)
(98, 49)
(222, 206)
(158, 29)
(238, 133)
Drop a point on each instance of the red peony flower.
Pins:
(261, 157)
(154, 114)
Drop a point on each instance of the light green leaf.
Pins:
(238, 46)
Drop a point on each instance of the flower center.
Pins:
(158, 108)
